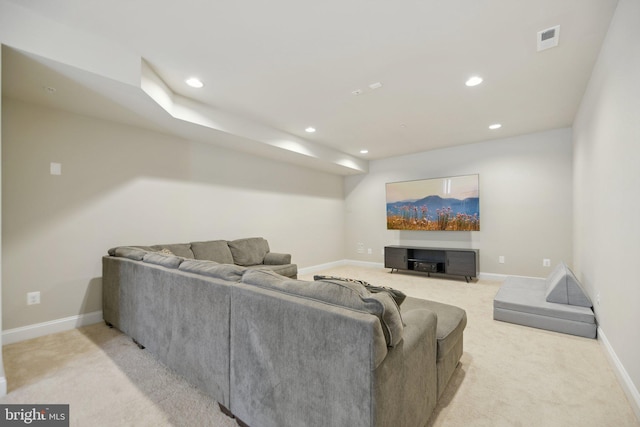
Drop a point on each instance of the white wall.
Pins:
(525, 202)
(123, 185)
(3, 380)
(607, 189)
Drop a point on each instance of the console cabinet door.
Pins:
(462, 263)
(396, 258)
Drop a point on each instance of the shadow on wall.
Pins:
(92, 297)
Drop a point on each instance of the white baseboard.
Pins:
(11, 336)
(623, 377)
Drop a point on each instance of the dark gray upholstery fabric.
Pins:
(274, 258)
(230, 272)
(451, 322)
(398, 296)
(301, 362)
(288, 270)
(405, 382)
(249, 251)
(181, 319)
(347, 294)
(129, 252)
(169, 261)
(213, 250)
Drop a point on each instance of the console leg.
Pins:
(108, 324)
(140, 346)
(226, 411)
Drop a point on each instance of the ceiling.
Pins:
(281, 66)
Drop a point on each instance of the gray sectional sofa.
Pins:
(251, 252)
(276, 351)
(557, 303)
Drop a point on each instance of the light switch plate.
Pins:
(55, 168)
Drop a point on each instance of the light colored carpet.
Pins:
(509, 375)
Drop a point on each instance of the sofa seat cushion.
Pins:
(178, 249)
(213, 250)
(451, 322)
(230, 272)
(528, 295)
(249, 251)
(341, 293)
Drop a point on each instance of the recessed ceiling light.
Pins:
(310, 129)
(474, 81)
(376, 85)
(194, 82)
(495, 126)
(364, 151)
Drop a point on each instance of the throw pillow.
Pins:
(212, 250)
(249, 251)
(398, 296)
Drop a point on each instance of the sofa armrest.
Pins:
(273, 258)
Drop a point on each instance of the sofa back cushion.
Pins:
(398, 296)
(130, 252)
(346, 294)
(213, 250)
(563, 288)
(179, 249)
(230, 272)
(249, 251)
(169, 261)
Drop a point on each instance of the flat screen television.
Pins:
(437, 204)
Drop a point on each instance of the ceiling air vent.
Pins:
(548, 38)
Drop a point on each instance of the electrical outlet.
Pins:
(369, 251)
(360, 248)
(501, 259)
(33, 298)
(546, 262)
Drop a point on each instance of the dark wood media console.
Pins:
(458, 262)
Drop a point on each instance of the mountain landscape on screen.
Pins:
(435, 213)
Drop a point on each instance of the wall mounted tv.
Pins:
(449, 204)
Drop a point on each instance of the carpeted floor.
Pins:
(509, 375)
